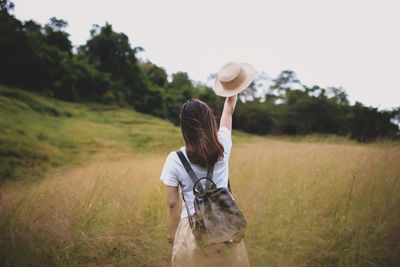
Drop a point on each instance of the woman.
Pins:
(204, 146)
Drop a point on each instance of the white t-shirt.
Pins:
(174, 171)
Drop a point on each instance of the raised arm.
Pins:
(227, 112)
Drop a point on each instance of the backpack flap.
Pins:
(223, 220)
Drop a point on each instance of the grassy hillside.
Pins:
(313, 201)
(38, 133)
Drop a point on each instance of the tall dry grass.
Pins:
(110, 211)
(320, 204)
(307, 204)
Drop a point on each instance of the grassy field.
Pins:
(80, 186)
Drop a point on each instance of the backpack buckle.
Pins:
(199, 189)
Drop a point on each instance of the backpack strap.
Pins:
(210, 172)
(186, 164)
(194, 179)
(187, 208)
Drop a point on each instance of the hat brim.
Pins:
(250, 73)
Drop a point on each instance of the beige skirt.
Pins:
(186, 253)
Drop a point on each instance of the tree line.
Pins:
(106, 69)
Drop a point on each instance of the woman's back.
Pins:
(174, 173)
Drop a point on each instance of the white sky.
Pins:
(349, 43)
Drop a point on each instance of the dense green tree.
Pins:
(112, 53)
(55, 35)
(367, 124)
(82, 82)
(179, 90)
(305, 114)
(16, 53)
(154, 73)
(215, 102)
(181, 81)
(253, 117)
(155, 100)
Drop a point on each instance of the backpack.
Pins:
(217, 218)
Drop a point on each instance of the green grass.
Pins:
(37, 133)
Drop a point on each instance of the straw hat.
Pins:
(233, 78)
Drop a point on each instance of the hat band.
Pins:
(235, 83)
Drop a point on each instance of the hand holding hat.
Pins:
(233, 78)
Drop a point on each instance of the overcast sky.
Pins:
(350, 43)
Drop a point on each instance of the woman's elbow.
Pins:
(172, 204)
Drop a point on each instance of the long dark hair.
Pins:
(199, 129)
